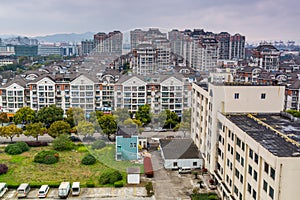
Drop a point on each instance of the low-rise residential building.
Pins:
(180, 154)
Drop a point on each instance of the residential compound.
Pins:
(98, 89)
(249, 146)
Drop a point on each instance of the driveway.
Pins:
(169, 184)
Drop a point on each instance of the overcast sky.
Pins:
(256, 19)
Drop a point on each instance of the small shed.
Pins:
(133, 175)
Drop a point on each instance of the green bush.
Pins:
(149, 189)
(82, 149)
(118, 184)
(13, 149)
(23, 146)
(46, 157)
(90, 184)
(62, 143)
(110, 177)
(89, 159)
(98, 144)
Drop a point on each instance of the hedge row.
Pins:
(16, 148)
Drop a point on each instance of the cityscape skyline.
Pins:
(258, 20)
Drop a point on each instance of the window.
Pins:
(250, 170)
(263, 96)
(271, 192)
(174, 164)
(249, 188)
(236, 191)
(236, 95)
(251, 153)
(237, 156)
(241, 178)
(242, 161)
(237, 173)
(256, 158)
(266, 167)
(255, 175)
(272, 173)
(265, 186)
(254, 194)
(194, 164)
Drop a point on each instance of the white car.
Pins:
(43, 191)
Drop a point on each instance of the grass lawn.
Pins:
(107, 157)
(69, 168)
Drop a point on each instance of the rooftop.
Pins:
(277, 134)
(179, 149)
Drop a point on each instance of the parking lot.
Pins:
(134, 193)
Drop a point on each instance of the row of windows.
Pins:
(237, 95)
(269, 170)
(252, 171)
(253, 156)
(251, 191)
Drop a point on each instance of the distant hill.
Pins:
(67, 37)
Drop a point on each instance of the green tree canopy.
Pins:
(50, 114)
(108, 125)
(74, 116)
(85, 128)
(24, 115)
(121, 114)
(143, 114)
(171, 120)
(35, 130)
(10, 131)
(59, 127)
(4, 118)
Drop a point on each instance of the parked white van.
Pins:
(76, 188)
(43, 191)
(3, 189)
(64, 189)
(23, 190)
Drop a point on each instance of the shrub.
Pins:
(62, 143)
(118, 184)
(23, 146)
(89, 159)
(46, 157)
(149, 189)
(13, 149)
(82, 149)
(37, 143)
(90, 184)
(3, 169)
(98, 144)
(110, 177)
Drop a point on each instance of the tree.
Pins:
(143, 114)
(108, 125)
(35, 130)
(59, 127)
(62, 143)
(50, 114)
(10, 131)
(24, 115)
(74, 116)
(3, 118)
(85, 128)
(121, 114)
(172, 119)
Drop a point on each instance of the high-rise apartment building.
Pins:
(237, 47)
(266, 56)
(87, 47)
(109, 43)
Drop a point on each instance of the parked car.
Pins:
(76, 188)
(43, 191)
(74, 138)
(64, 189)
(23, 190)
(3, 189)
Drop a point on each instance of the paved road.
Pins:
(169, 184)
(134, 193)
